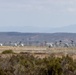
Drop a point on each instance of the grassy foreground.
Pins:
(26, 64)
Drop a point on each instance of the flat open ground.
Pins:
(41, 51)
(38, 49)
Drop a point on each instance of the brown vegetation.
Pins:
(26, 64)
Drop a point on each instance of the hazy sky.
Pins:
(25, 15)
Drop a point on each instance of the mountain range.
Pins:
(36, 37)
(39, 29)
(66, 29)
(40, 34)
(43, 29)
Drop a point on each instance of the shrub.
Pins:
(7, 52)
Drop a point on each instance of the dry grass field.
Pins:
(41, 51)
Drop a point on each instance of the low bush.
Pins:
(7, 52)
(25, 64)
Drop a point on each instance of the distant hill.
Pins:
(41, 37)
(69, 29)
(40, 29)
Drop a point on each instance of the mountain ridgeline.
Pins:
(40, 37)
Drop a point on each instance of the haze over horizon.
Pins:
(38, 16)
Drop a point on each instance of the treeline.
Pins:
(26, 64)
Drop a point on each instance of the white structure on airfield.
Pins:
(1, 44)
